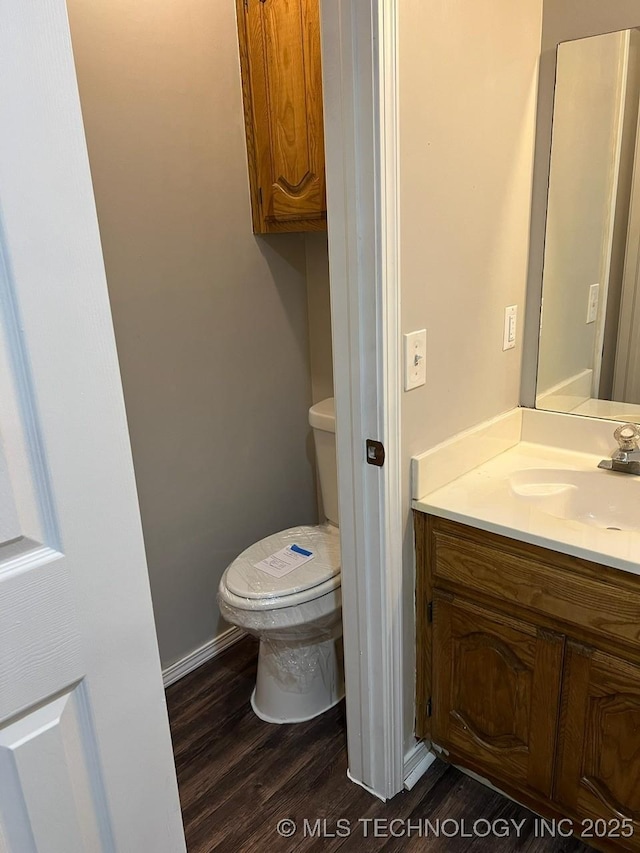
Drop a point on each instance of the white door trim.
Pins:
(360, 93)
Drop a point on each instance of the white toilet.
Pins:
(297, 617)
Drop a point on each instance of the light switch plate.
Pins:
(415, 348)
(510, 327)
(592, 304)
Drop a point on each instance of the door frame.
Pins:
(359, 53)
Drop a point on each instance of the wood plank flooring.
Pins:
(239, 776)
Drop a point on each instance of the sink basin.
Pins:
(603, 499)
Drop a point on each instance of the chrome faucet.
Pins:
(626, 459)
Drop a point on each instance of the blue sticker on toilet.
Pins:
(302, 551)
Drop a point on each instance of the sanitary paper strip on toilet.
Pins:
(284, 561)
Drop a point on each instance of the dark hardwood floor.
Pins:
(239, 777)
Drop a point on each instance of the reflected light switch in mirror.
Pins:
(592, 305)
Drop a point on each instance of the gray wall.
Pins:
(211, 322)
(320, 340)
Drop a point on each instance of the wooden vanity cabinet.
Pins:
(598, 770)
(496, 690)
(281, 72)
(514, 683)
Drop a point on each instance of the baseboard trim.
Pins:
(416, 763)
(199, 656)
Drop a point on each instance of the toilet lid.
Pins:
(243, 578)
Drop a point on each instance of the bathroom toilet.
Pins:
(295, 612)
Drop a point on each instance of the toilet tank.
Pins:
(322, 419)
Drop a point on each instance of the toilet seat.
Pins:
(294, 600)
(250, 588)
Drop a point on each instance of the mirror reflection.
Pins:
(589, 354)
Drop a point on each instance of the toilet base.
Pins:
(312, 716)
(296, 684)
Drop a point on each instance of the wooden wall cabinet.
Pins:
(529, 674)
(282, 92)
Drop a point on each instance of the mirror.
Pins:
(589, 347)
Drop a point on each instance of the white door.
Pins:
(85, 753)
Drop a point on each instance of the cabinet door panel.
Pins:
(496, 687)
(286, 90)
(599, 747)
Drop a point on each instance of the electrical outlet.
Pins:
(510, 327)
(592, 304)
(415, 371)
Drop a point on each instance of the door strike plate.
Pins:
(375, 453)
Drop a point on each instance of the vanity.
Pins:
(528, 552)
(528, 621)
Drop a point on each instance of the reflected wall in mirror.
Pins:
(589, 353)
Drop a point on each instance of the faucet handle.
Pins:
(628, 437)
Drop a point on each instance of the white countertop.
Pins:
(484, 498)
(608, 409)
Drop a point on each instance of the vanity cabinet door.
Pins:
(598, 770)
(282, 92)
(496, 692)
